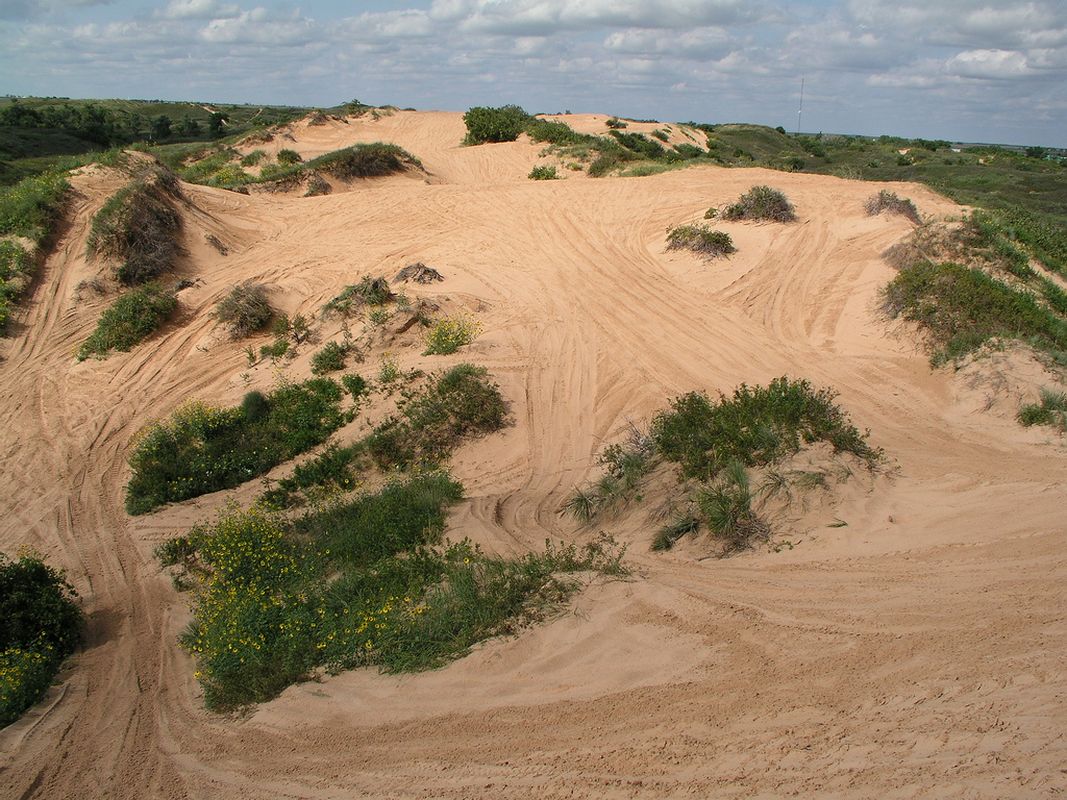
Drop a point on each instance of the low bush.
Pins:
(761, 203)
(670, 533)
(331, 358)
(372, 291)
(355, 385)
(132, 318)
(244, 310)
(962, 308)
(288, 157)
(461, 403)
(316, 185)
(364, 161)
(700, 239)
(363, 582)
(557, 133)
(639, 144)
(253, 158)
(888, 201)
(726, 506)
(1051, 410)
(203, 448)
(543, 172)
(40, 625)
(16, 272)
(755, 426)
(503, 124)
(615, 123)
(32, 206)
(447, 335)
(139, 227)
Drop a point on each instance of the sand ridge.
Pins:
(916, 652)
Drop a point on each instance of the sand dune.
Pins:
(916, 652)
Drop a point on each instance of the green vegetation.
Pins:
(364, 161)
(373, 291)
(503, 124)
(31, 207)
(244, 310)
(331, 358)
(133, 317)
(700, 239)
(289, 157)
(316, 185)
(40, 625)
(714, 443)
(16, 272)
(962, 308)
(1051, 410)
(543, 172)
(364, 582)
(888, 201)
(761, 203)
(447, 335)
(139, 227)
(203, 448)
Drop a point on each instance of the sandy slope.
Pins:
(917, 652)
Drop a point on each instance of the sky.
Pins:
(963, 70)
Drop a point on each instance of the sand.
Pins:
(917, 652)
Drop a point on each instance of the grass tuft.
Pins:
(1051, 410)
(700, 239)
(761, 203)
(244, 310)
(888, 201)
(132, 318)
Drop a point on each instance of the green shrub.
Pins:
(369, 291)
(331, 358)
(202, 448)
(615, 123)
(460, 403)
(40, 625)
(761, 203)
(543, 172)
(755, 426)
(131, 319)
(447, 335)
(244, 310)
(886, 200)
(364, 161)
(726, 506)
(316, 185)
(557, 133)
(670, 533)
(253, 158)
(663, 136)
(289, 157)
(700, 239)
(32, 206)
(139, 226)
(503, 124)
(1052, 410)
(275, 350)
(640, 145)
(355, 385)
(16, 272)
(962, 308)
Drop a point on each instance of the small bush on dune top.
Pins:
(700, 239)
(289, 157)
(761, 203)
(244, 310)
(886, 200)
(373, 291)
(503, 124)
(139, 226)
(1051, 410)
(557, 133)
(364, 161)
(132, 318)
(40, 625)
(543, 172)
(203, 448)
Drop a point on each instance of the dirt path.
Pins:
(916, 652)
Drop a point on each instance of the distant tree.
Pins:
(161, 127)
(189, 127)
(217, 124)
(1036, 152)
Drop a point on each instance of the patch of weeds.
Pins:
(316, 185)
(362, 582)
(663, 136)
(275, 350)
(1051, 410)
(615, 123)
(755, 426)
(888, 201)
(202, 448)
(625, 464)
(364, 161)
(420, 273)
(139, 227)
(32, 206)
(253, 158)
(543, 172)
(726, 505)
(355, 385)
(331, 358)
(460, 403)
(388, 370)
(40, 625)
(244, 310)
(287, 157)
(16, 272)
(378, 316)
(447, 335)
(700, 239)
(673, 531)
(372, 291)
(962, 308)
(132, 318)
(761, 203)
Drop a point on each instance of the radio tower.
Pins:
(801, 109)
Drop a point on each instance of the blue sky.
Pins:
(957, 69)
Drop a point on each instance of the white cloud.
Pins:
(989, 64)
(199, 9)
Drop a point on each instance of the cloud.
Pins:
(989, 64)
(199, 9)
(260, 27)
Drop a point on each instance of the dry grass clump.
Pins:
(889, 201)
(244, 310)
(316, 185)
(369, 291)
(139, 226)
(418, 272)
(700, 239)
(761, 203)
